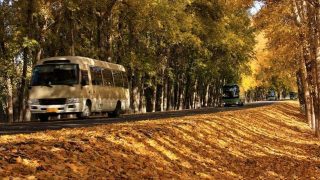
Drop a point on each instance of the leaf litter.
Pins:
(266, 142)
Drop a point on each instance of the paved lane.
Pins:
(31, 127)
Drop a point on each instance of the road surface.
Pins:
(32, 127)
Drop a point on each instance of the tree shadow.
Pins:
(222, 147)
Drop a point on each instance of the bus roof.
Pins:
(82, 61)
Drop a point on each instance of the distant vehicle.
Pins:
(293, 95)
(271, 96)
(231, 95)
(78, 85)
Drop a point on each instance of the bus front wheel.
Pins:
(85, 113)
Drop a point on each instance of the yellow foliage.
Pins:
(250, 81)
(267, 65)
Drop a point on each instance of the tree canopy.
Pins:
(291, 28)
(178, 53)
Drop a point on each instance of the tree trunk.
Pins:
(142, 101)
(307, 95)
(188, 91)
(9, 100)
(314, 93)
(23, 85)
(149, 95)
(317, 58)
(176, 89)
(107, 31)
(169, 94)
(180, 95)
(72, 34)
(305, 81)
(206, 95)
(210, 95)
(159, 97)
(165, 94)
(301, 90)
(135, 84)
(98, 38)
(7, 79)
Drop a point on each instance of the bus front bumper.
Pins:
(235, 101)
(55, 109)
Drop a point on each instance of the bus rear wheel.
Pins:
(116, 112)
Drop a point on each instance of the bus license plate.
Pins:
(52, 110)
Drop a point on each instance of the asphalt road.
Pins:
(31, 127)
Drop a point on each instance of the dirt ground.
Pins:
(270, 142)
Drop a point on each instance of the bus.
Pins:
(231, 95)
(77, 85)
(271, 96)
(293, 95)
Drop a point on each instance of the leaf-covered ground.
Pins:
(266, 142)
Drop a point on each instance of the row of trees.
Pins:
(178, 53)
(269, 75)
(292, 28)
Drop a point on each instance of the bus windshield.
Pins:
(55, 74)
(231, 91)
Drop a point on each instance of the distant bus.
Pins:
(231, 95)
(78, 85)
(293, 95)
(271, 96)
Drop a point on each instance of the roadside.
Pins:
(32, 127)
(268, 141)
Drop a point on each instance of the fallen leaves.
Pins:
(265, 142)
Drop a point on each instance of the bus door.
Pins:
(86, 87)
(108, 91)
(97, 86)
(119, 84)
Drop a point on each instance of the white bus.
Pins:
(78, 85)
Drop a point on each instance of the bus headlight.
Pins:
(34, 102)
(73, 100)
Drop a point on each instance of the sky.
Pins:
(256, 7)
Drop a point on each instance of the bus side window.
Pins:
(107, 77)
(117, 79)
(84, 78)
(125, 80)
(96, 76)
